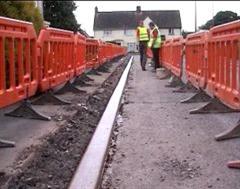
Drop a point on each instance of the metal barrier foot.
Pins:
(103, 69)
(69, 87)
(201, 96)
(80, 81)
(167, 76)
(26, 110)
(232, 133)
(214, 106)
(49, 98)
(234, 164)
(84, 77)
(94, 72)
(188, 87)
(6, 144)
(174, 82)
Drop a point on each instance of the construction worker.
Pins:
(155, 43)
(143, 36)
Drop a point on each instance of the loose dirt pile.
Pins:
(54, 162)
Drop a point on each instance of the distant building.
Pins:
(120, 26)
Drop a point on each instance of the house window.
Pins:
(128, 32)
(131, 47)
(170, 31)
(107, 32)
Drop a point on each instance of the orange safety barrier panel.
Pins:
(18, 61)
(105, 51)
(117, 50)
(91, 53)
(166, 54)
(149, 53)
(224, 65)
(80, 51)
(56, 57)
(101, 52)
(177, 48)
(161, 55)
(97, 62)
(109, 51)
(196, 59)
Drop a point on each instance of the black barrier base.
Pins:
(103, 69)
(232, 133)
(26, 110)
(81, 82)
(84, 77)
(174, 82)
(214, 106)
(188, 87)
(6, 144)
(49, 98)
(69, 87)
(201, 96)
(166, 76)
(94, 72)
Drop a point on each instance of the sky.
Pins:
(205, 10)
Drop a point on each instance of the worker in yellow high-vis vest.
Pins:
(155, 43)
(143, 36)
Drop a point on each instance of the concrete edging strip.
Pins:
(90, 169)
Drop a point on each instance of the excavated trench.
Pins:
(53, 163)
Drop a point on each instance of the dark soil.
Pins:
(55, 161)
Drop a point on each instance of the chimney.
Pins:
(96, 9)
(138, 9)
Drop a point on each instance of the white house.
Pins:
(120, 26)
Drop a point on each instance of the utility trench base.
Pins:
(161, 146)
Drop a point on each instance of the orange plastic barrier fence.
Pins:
(80, 51)
(91, 53)
(224, 63)
(177, 48)
(28, 63)
(102, 52)
(196, 59)
(149, 53)
(56, 57)
(109, 51)
(166, 54)
(18, 60)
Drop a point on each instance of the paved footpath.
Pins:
(162, 146)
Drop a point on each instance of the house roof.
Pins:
(129, 19)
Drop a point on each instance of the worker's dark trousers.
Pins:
(143, 53)
(156, 57)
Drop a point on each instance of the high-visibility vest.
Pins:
(143, 34)
(157, 43)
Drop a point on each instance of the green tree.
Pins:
(22, 10)
(220, 18)
(60, 14)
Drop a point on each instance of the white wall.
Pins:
(177, 32)
(120, 35)
(117, 35)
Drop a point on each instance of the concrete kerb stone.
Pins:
(89, 171)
